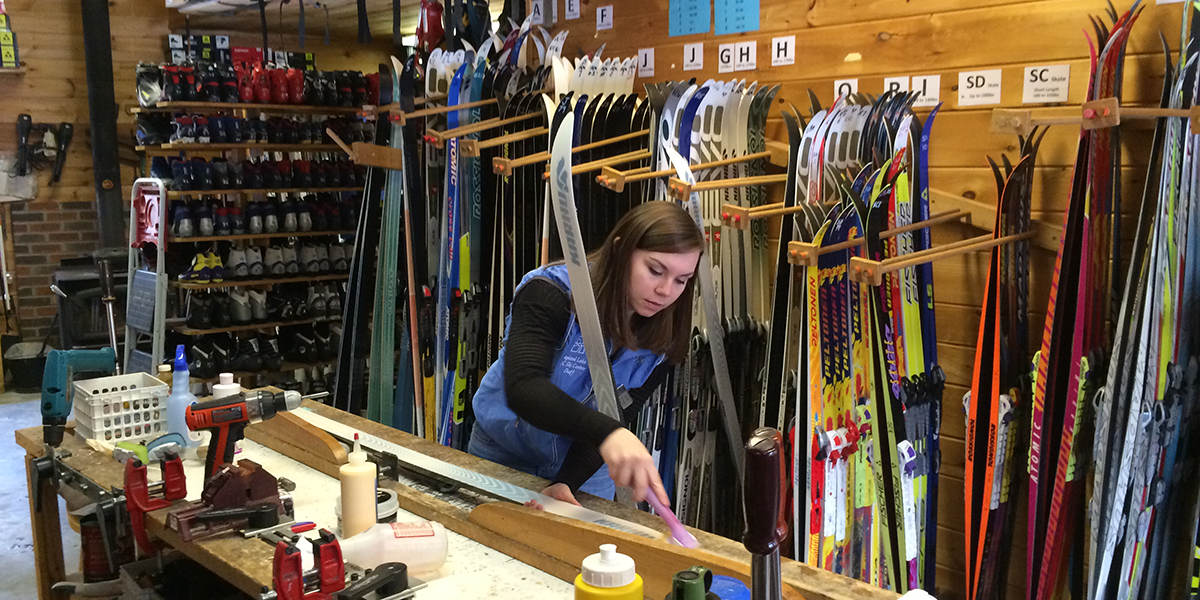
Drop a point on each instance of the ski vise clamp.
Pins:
(137, 495)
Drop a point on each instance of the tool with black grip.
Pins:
(763, 503)
(226, 419)
(24, 150)
(65, 132)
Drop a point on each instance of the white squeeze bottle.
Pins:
(358, 492)
(421, 545)
(181, 398)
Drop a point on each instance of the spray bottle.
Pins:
(181, 397)
(608, 576)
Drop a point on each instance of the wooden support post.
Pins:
(47, 537)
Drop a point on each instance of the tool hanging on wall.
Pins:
(33, 153)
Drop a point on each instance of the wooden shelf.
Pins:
(291, 109)
(256, 236)
(185, 330)
(196, 285)
(13, 70)
(185, 147)
(287, 366)
(173, 194)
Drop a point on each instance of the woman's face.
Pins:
(656, 279)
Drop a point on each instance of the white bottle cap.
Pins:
(226, 378)
(608, 569)
(167, 369)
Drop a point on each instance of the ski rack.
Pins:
(983, 216)
(681, 190)
(805, 253)
(472, 148)
(505, 166)
(615, 180)
(388, 108)
(595, 165)
(871, 272)
(370, 155)
(1096, 114)
(402, 117)
(439, 137)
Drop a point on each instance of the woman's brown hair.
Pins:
(654, 227)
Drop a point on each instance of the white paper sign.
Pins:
(725, 55)
(646, 62)
(693, 56)
(604, 18)
(929, 88)
(535, 13)
(977, 88)
(841, 87)
(572, 7)
(1046, 84)
(783, 51)
(895, 84)
(745, 56)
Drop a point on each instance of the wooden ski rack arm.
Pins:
(679, 189)
(387, 108)
(370, 155)
(615, 180)
(439, 137)
(983, 216)
(1105, 112)
(871, 272)
(504, 166)
(474, 147)
(588, 167)
(806, 253)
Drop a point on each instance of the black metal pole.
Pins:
(102, 110)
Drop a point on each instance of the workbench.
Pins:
(496, 550)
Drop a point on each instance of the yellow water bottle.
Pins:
(608, 576)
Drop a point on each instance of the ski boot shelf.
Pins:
(1097, 114)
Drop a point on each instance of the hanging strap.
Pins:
(397, 37)
(301, 26)
(364, 28)
(262, 16)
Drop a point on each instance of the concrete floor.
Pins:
(17, 578)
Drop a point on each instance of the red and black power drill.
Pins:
(226, 419)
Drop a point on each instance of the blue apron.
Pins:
(502, 437)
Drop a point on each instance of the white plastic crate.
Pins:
(121, 408)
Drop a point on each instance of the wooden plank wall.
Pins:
(61, 221)
(873, 39)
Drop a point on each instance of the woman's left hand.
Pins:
(558, 491)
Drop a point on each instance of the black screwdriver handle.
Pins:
(763, 493)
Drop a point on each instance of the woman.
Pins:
(533, 409)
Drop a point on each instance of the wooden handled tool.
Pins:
(764, 499)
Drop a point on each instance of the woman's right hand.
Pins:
(630, 465)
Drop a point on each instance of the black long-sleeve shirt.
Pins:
(540, 314)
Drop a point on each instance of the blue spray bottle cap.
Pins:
(180, 359)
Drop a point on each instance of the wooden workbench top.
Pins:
(247, 563)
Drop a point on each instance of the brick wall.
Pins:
(45, 232)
